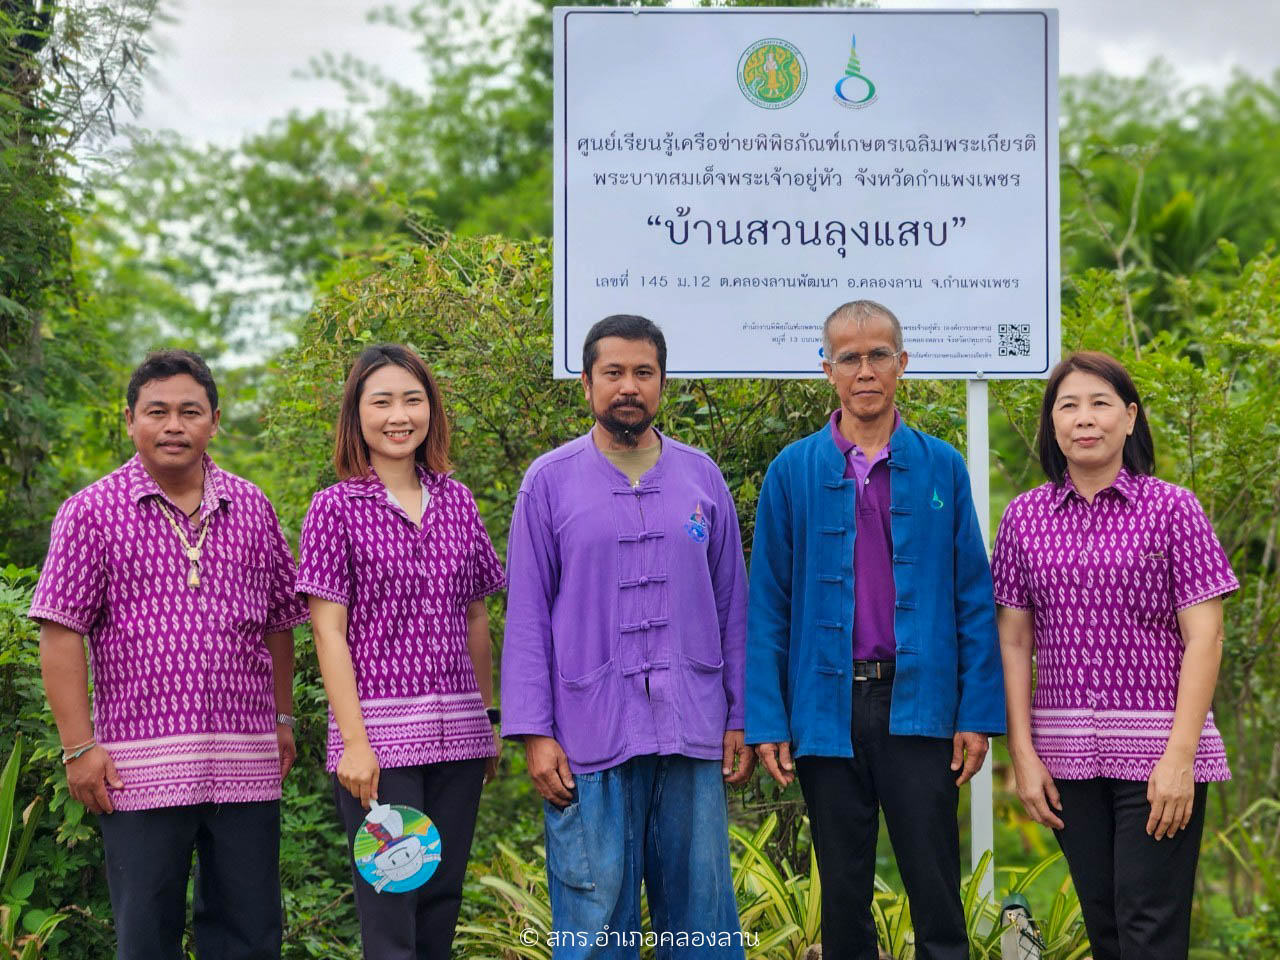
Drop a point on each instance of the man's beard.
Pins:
(626, 433)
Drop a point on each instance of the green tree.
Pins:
(65, 72)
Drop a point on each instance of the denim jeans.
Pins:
(660, 819)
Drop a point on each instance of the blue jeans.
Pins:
(660, 819)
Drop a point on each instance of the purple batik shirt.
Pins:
(626, 614)
(873, 589)
(182, 692)
(406, 590)
(1105, 582)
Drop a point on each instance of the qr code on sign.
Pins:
(1015, 339)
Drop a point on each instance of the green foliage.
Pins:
(779, 911)
(64, 73)
(24, 930)
(1251, 842)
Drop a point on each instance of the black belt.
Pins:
(873, 669)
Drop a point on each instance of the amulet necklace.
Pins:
(192, 552)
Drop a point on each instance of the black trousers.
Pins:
(418, 925)
(1135, 892)
(236, 909)
(912, 779)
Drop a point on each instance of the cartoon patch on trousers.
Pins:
(396, 848)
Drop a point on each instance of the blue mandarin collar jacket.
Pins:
(800, 612)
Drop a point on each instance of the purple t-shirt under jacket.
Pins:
(406, 590)
(626, 613)
(182, 694)
(1105, 582)
(874, 592)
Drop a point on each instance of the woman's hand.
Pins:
(491, 764)
(1037, 790)
(1171, 791)
(358, 771)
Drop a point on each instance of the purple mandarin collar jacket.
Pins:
(626, 608)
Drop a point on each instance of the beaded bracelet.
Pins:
(74, 752)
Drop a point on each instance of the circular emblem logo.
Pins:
(396, 848)
(772, 73)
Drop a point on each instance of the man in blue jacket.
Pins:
(872, 656)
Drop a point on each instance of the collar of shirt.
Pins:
(1125, 484)
(652, 475)
(143, 485)
(849, 449)
(371, 486)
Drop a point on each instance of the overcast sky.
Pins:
(225, 68)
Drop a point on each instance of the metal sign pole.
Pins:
(981, 811)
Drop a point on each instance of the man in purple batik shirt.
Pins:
(178, 576)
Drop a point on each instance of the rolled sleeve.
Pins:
(1198, 566)
(324, 553)
(72, 589)
(285, 609)
(1008, 566)
(485, 574)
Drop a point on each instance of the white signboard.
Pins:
(736, 174)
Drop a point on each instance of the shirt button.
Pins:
(646, 665)
(644, 624)
(642, 581)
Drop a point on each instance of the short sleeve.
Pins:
(324, 552)
(485, 569)
(1008, 564)
(285, 609)
(1198, 566)
(73, 582)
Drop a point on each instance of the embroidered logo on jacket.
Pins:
(697, 525)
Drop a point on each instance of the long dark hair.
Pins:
(350, 452)
(1139, 450)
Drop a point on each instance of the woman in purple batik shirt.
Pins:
(1114, 579)
(395, 562)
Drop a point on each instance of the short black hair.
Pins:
(1139, 448)
(163, 364)
(628, 327)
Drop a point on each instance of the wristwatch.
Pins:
(286, 720)
(495, 715)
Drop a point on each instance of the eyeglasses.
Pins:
(880, 360)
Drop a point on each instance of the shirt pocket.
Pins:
(705, 708)
(589, 715)
(1150, 590)
(238, 582)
